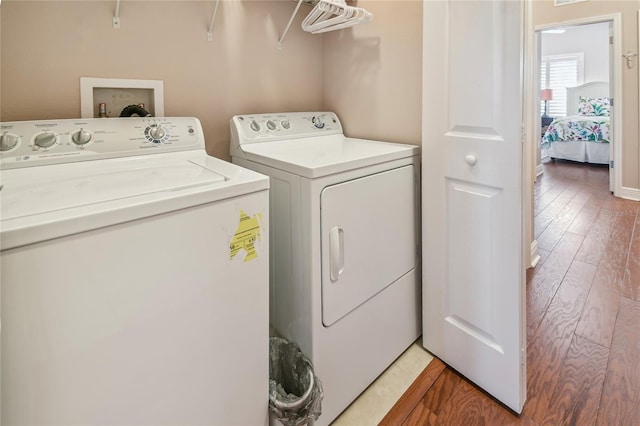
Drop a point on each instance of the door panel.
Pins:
(473, 271)
(369, 238)
(470, 307)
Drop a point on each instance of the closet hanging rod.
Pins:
(116, 16)
(213, 17)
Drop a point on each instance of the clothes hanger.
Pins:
(342, 15)
(362, 16)
(322, 11)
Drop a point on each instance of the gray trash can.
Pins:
(295, 393)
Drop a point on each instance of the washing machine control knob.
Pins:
(318, 122)
(45, 139)
(156, 132)
(81, 137)
(254, 126)
(271, 125)
(286, 124)
(8, 141)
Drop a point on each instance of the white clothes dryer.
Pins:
(345, 278)
(134, 276)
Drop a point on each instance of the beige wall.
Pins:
(544, 12)
(46, 46)
(369, 74)
(373, 73)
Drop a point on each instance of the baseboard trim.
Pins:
(629, 193)
(539, 170)
(534, 256)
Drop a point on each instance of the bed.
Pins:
(584, 134)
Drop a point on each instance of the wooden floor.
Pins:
(583, 318)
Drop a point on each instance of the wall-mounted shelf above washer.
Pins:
(328, 15)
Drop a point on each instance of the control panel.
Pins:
(269, 127)
(32, 143)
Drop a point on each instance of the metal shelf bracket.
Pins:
(286, 30)
(213, 17)
(116, 16)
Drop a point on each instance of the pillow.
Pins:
(593, 106)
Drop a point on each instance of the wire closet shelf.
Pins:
(328, 15)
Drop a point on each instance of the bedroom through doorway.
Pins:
(575, 78)
(575, 149)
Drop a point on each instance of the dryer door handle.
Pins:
(336, 252)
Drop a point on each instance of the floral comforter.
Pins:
(577, 128)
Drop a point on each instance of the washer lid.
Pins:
(325, 155)
(60, 188)
(44, 202)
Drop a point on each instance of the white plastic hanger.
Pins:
(342, 14)
(331, 15)
(328, 15)
(361, 16)
(322, 11)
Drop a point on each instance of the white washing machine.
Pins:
(345, 279)
(134, 277)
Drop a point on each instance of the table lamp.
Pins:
(546, 95)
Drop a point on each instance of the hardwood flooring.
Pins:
(583, 318)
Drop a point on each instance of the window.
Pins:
(556, 73)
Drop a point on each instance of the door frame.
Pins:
(532, 55)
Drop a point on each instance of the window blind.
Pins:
(556, 73)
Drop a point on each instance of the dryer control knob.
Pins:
(81, 137)
(318, 122)
(286, 124)
(254, 126)
(45, 139)
(271, 125)
(8, 141)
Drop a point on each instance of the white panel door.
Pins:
(473, 273)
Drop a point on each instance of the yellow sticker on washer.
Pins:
(246, 234)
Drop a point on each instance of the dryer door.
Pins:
(369, 238)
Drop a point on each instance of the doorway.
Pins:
(588, 47)
(574, 62)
